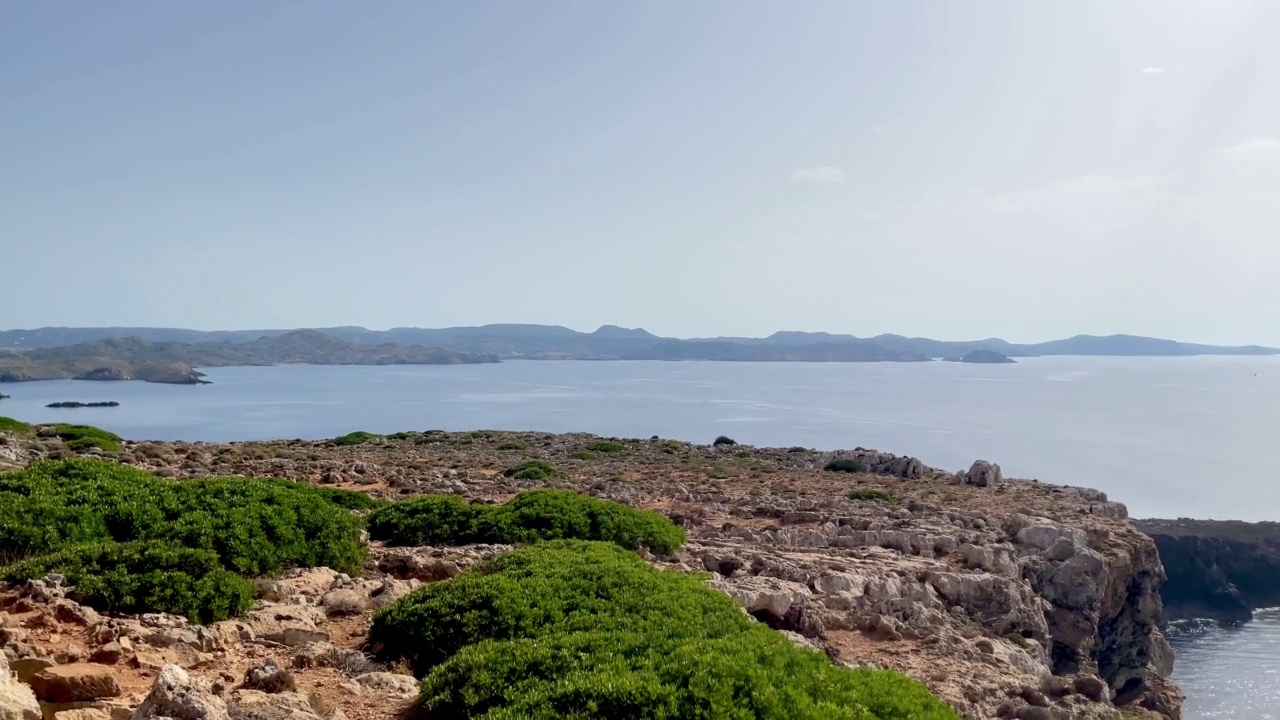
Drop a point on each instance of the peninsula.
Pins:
(1001, 598)
(134, 358)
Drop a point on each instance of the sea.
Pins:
(1170, 437)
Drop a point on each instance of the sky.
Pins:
(956, 170)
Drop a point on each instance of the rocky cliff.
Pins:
(1007, 598)
(1221, 570)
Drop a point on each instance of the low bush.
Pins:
(358, 437)
(82, 437)
(143, 577)
(511, 446)
(9, 425)
(528, 517)
(582, 455)
(872, 494)
(845, 465)
(583, 630)
(606, 446)
(255, 527)
(723, 440)
(427, 520)
(532, 470)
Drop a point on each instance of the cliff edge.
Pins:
(1217, 569)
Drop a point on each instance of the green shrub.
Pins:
(9, 425)
(532, 470)
(511, 446)
(872, 494)
(582, 455)
(255, 527)
(723, 440)
(606, 446)
(143, 577)
(528, 517)
(358, 437)
(427, 520)
(585, 630)
(80, 438)
(845, 465)
(402, 435)
(797, 449)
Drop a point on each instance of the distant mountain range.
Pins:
(172, 354)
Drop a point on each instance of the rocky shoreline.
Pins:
(1007, 598)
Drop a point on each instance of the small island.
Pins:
(982, 356)
(74, 404)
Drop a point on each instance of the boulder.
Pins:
(175, 695)
(344, 602)
(75, 683)
(983, 474)
(269, 678)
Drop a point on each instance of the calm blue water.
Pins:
(1168, 436)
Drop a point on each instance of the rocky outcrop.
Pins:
(1220, 570)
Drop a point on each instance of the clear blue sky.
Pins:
(952, 169)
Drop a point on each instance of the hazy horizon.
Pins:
(952, 170)
(1011, 340)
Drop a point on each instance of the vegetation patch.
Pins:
(80, 438)
(581, 630)
(529, 517)
(358, 437)
(582, 455)
(9, 425)
(872, 494)
(533, 470)
(606, 446)
(845, 465)
(254, 527)
(141, 577)
(510, 446)
(723, 440)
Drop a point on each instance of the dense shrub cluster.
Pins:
(82, 437)
(148, 576)
(9, 425)
(845, 465)
(532, 470)
(606, 446)
(872, 494)
(724, 440)
(526, 518)
(358, 437)
(115, 529)
(572, 629)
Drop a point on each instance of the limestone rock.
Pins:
(75, 683)
(269, 678)
(248, 704)
(17, 701)
(983, 474)
(175, 695)
(344, 602)
(389, 682)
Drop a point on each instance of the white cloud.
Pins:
(1152, 70)
(822, 174)
(1256, 151)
